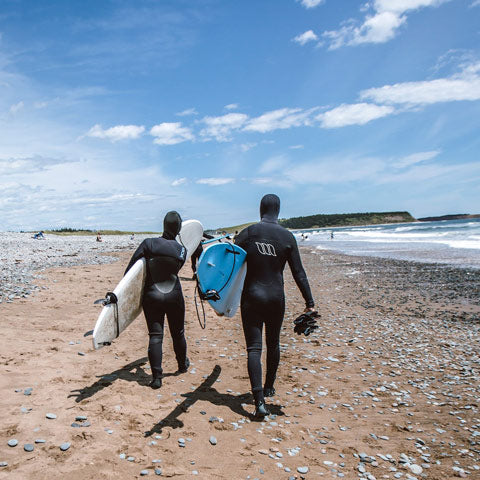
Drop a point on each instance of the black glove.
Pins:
(306, 323)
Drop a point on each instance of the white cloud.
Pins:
(28, 165)
(296, 147)
(379, 25)
(215, 181)
(187, 112)
(476, 3)
(16, 107)
(114, 134)
(310, 3)
(221, 127)
(416, 158)
(280, 119)
(179, 181)
(245, 147)
(231, 106)
(463, 86)
(170, 133)
(273, 165)
(305, 37)
(353, 114)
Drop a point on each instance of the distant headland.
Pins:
(458, 216)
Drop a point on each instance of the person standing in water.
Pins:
(269, 246)
(162, 294)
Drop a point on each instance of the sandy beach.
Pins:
(387, 388)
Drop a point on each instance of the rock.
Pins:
(65, 446)
(302, 469)
(13, 442)
(3, 464)
(144, 472)
(213, 440)
(158, 471)
(28, 447)
(415, 469)
(51, 416)
(39, 440)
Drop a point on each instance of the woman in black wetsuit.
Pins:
(269, 246)
(162, 294)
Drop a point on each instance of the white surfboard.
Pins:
(124, 306)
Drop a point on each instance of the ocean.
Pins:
(450, 242)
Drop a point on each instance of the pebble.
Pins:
(415, 469)
(158, 471)
(213, 440)
(65, 446)
(40, 440)
(51, 416)
(28, 391)
(28, 447)
(3, 464)
(13, 442)
(302, 469)
(144, 472)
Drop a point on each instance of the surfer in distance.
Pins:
(269, 247)
(163, 296)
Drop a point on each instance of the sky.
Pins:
(113, 112)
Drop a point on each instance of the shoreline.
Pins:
(388, 384)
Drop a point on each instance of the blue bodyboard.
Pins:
(222, 268)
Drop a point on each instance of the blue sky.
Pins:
(114, 112)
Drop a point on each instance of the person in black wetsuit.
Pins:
(269, 246)
(162, 294)
(198, 252)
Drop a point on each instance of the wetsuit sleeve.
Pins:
(241, 238)
(139, 253)
(299, 274)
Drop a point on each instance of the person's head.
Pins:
(270, 207)
(172, 223)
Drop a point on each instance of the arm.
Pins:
(241, 238)
(299, 275)
(139, 253)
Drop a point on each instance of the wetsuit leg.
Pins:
(175, 310)
(155, 316)
(273, 325)
(252, 328)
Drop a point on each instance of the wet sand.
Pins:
(388, 387)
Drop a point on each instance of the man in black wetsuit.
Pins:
(269, 246)
(162, 294)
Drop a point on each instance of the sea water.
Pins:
(451, 242)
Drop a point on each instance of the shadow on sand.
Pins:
(132, 372)
(207, 393)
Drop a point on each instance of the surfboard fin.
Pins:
(110, 298)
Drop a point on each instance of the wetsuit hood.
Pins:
(270, 208)
(172, 223)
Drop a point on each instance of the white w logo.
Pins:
(266, 249)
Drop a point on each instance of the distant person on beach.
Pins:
(269, 246)
(331, 236)
(99, 237)
(196, 254)
(39, 236)
(132, 236)
(162, 295)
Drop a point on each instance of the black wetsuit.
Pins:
(162, 294)
(269, 246)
